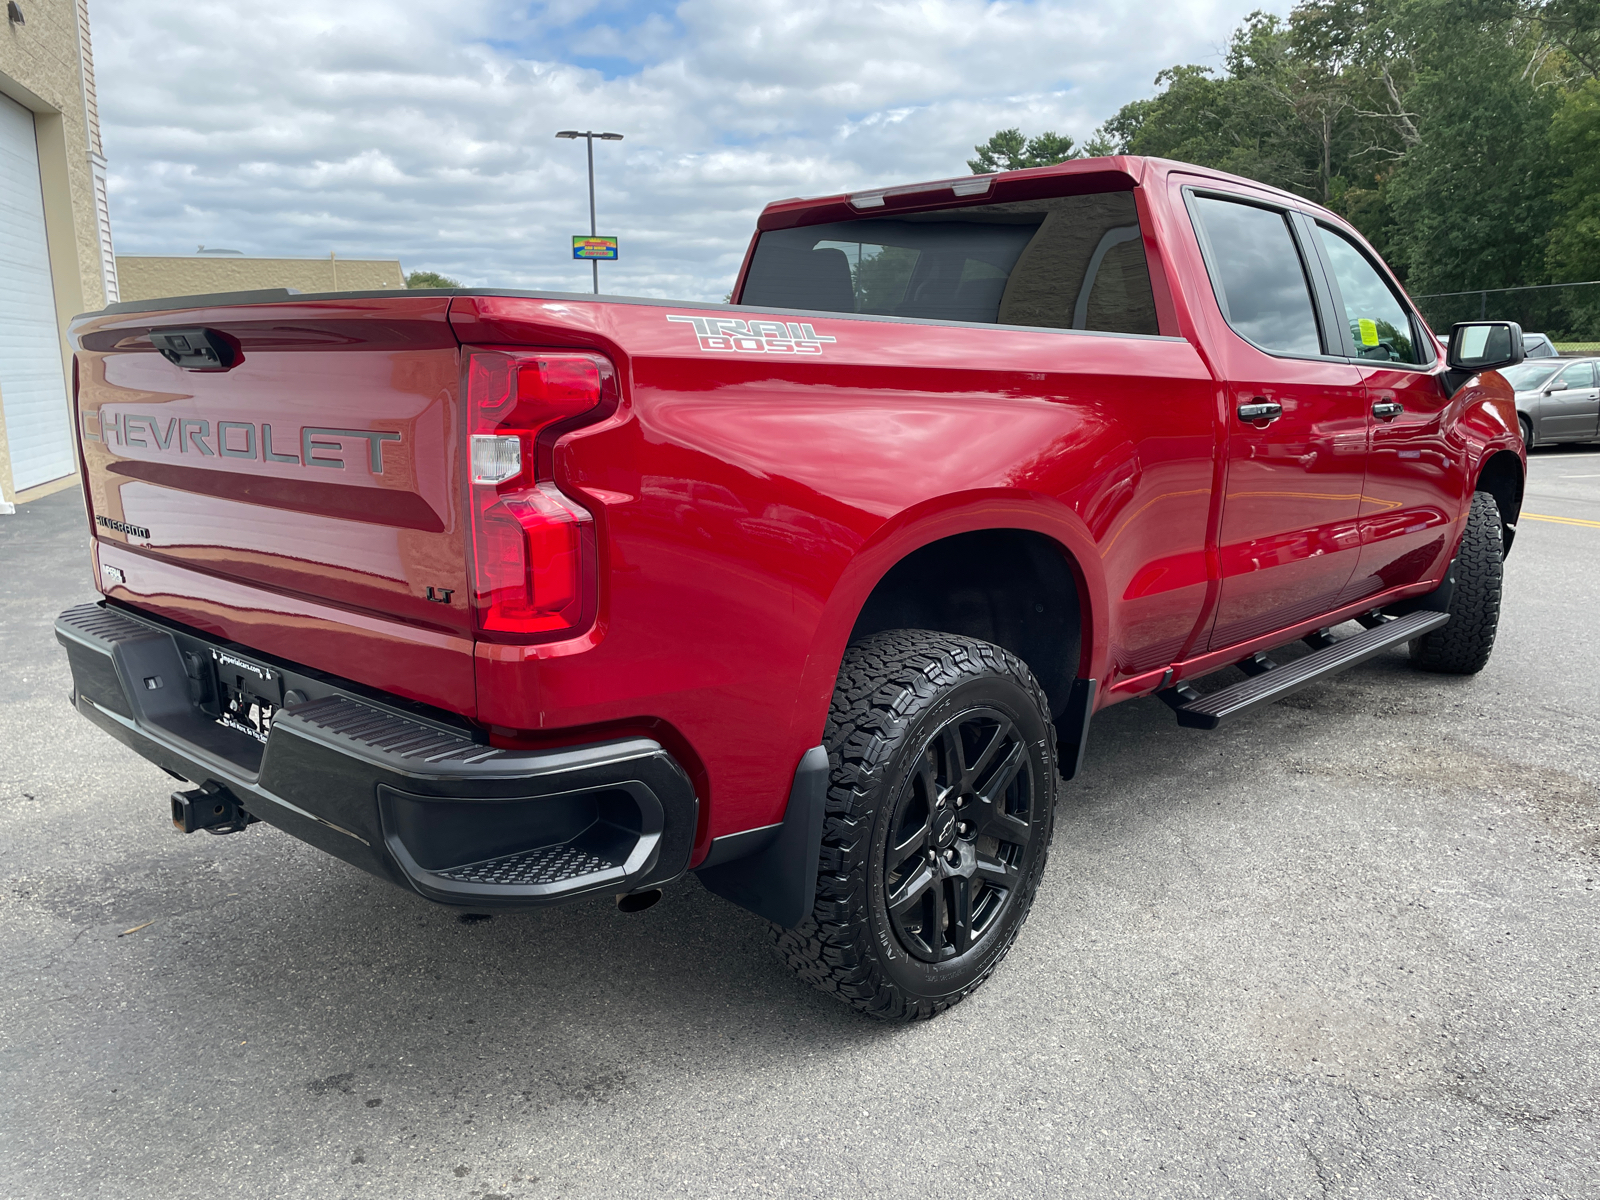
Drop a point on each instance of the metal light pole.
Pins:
(589, 136)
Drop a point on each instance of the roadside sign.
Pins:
(586, 246)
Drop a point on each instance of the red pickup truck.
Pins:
(513, 597)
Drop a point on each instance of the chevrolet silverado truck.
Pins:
(515, 597)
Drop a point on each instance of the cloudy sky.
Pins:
(423, 129)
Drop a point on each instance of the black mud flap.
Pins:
(772, 871)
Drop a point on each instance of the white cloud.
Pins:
(423, 130)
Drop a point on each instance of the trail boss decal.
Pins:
(731, 335)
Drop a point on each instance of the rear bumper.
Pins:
(384, 785)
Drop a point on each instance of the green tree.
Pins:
(1574, 252)
(1008, 150)
(1472, 201)
(1099, 145)
(1424, 122)
(1284, 111)
(1461, 136)
(1569, 28)
(430, 279)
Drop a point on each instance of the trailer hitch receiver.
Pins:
(210, 807)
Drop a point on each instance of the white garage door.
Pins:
(31, 384)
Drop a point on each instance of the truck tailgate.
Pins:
(308, 489)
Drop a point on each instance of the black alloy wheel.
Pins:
(958, 834)
(941, 802)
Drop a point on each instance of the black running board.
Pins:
(1207, 712)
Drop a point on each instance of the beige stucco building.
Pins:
(153, 276)
(56, 258)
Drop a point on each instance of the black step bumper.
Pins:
(388, 788)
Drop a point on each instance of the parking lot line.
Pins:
(1561, 520)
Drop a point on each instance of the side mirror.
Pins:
(1555, 385)
(1484, 346)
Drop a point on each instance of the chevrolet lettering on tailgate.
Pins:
(316, 446)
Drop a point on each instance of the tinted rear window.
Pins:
(1071, 262)
(1258, 276)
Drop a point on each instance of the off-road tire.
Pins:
(896, 692)
(1462, 645)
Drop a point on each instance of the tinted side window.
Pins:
(1258, 276)
(1580, 375)
(1380, 327)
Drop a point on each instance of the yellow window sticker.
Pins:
(1369, 332)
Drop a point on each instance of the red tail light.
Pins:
(534, 557)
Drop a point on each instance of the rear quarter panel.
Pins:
(749, 501)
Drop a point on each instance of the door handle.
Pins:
(1260, 410)
(1387, 410)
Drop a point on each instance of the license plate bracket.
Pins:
(248, 694)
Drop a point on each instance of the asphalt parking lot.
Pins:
(1347, 947)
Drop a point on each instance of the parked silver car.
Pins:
(1558, 400)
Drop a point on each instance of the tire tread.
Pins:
(1462, 645)
(885, 681)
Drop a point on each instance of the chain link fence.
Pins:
(1569, 313)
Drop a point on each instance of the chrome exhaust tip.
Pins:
(637, 902)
